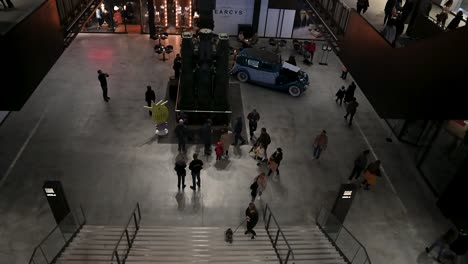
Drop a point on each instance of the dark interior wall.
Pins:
(452, 202)
(425, 80)
(29, 50)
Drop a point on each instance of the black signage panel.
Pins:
(55, 195)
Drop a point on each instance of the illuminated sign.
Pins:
(347, 194)
(50, 192)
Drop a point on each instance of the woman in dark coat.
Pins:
(349, 94)
(362, 5)
(252, 219)
(455, 21)
(180, 166)
(388, 10)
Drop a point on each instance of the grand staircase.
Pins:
(145, 244)
(158, 244)
(311, 246)
(161, 244)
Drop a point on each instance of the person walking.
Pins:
(371, 174)
(180, 166)
(340, 95)
(344, 72)
(360, 164)
(251, 214)
(361, 6)
(309, 51)
(253, 118)
(254, 189)
(443, 242)
(219, 150)
(226, 139)
(274, 161)
(150, 97)
(389, 10)
(102, 76)
(177, 66)
(205, 134)
(238, 131)
(455, 21)
(351, 109)
(195, 167)
(442, 16)
(264, 140)
(181, 133)
(349, 94)
(459, 247)
(320, 144)
(258, 186)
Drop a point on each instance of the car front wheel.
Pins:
(242, 76)
(294, 90)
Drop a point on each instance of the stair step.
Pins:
(161, 244)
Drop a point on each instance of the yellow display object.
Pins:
(159, 111)
(160, 114)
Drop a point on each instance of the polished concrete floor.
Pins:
(108, 159)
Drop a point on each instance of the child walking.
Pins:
(219, 150)
(340, 95)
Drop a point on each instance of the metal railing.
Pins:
(285, 255)
(349, 247)
(120, 255)
(55, 242)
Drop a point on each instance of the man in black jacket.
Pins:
(180, 170)
(253, 118)
(150, 97)
(195, 167)
(102, 76)
(238, 131)
(251, 214)
(360, 164)
(205, 134)
(181, 133)
(264, 140)
(176, 66)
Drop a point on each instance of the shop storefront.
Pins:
(131, 16)
(267, 18)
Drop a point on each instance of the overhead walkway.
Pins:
(401, 83)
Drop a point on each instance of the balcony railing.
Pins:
(50, 248)
(349, 247)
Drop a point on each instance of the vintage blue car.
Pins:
(266, 69)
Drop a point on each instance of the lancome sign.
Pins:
(228, 14)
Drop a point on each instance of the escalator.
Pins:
(76, 26)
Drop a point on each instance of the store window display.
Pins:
(102, 20)
(183, 11)
(160, 16)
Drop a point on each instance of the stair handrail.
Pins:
(66, 242)
(77, 18)
(290, 254)
(136, 216)
(325, 218)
